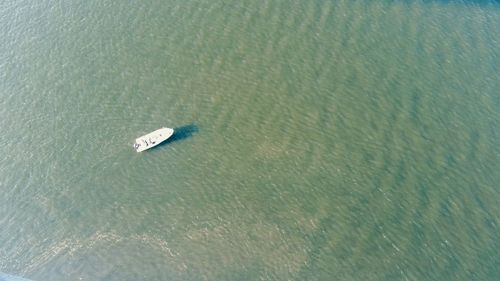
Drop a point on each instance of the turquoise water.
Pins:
(7, 277)
(316, 140)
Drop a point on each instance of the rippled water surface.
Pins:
(315, 140)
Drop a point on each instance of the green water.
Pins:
(316, 140)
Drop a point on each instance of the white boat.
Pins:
(152, 139)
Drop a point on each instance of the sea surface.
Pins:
(315, 140)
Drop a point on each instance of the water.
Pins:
(317, 140)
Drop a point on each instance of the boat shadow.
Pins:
(181, 133)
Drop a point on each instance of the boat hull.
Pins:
(152, 139)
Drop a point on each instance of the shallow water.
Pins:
(316, 140)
